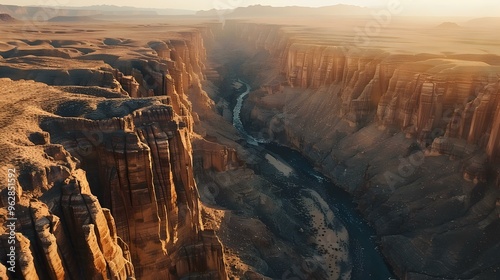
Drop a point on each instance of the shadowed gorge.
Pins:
(248, 145)
(380, 124)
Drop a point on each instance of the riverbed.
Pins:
(346, 244)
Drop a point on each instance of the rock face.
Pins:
(410, 135)
(141, 168)
(7, 18)
(104, 152)
(109, 191)
(418, 94)
(65, 234)
(215, 156)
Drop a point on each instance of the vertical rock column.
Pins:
(89, 225)
(493, 148)
(125, 165)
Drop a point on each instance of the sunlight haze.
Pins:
(411, 7)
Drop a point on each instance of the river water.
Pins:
(299, 183)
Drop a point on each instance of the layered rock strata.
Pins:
(417, 93)
(141, 168)
(130, 153)
(413, 136)
(61, 231)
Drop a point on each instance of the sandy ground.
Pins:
(283, 168)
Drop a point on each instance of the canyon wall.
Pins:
(106, 149)
(413, 136)
(109, 192)
(427, 96)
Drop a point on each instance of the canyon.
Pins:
(412, 136)
(135, 159)
(106, 187)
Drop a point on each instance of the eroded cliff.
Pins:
(107, 149)
(105, 184)
(412, 135)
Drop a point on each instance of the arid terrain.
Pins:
(368, 145)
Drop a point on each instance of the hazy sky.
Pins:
(423, 7)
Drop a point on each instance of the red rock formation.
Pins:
(216, 156)
(146, 178)
(137, 156)
(70, 235)
(423, 95)
(422, 130)
(493, 148)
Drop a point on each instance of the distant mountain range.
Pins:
(291, 11)
(47, 12)
(104, 12)
(448, 25)
(6, 18)
(73, 19)
(112, 9)
(491, 22)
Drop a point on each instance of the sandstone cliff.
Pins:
(105, 185)
(62, 231)
(420, 94)
(413, 136)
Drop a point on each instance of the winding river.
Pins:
(342, 230)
